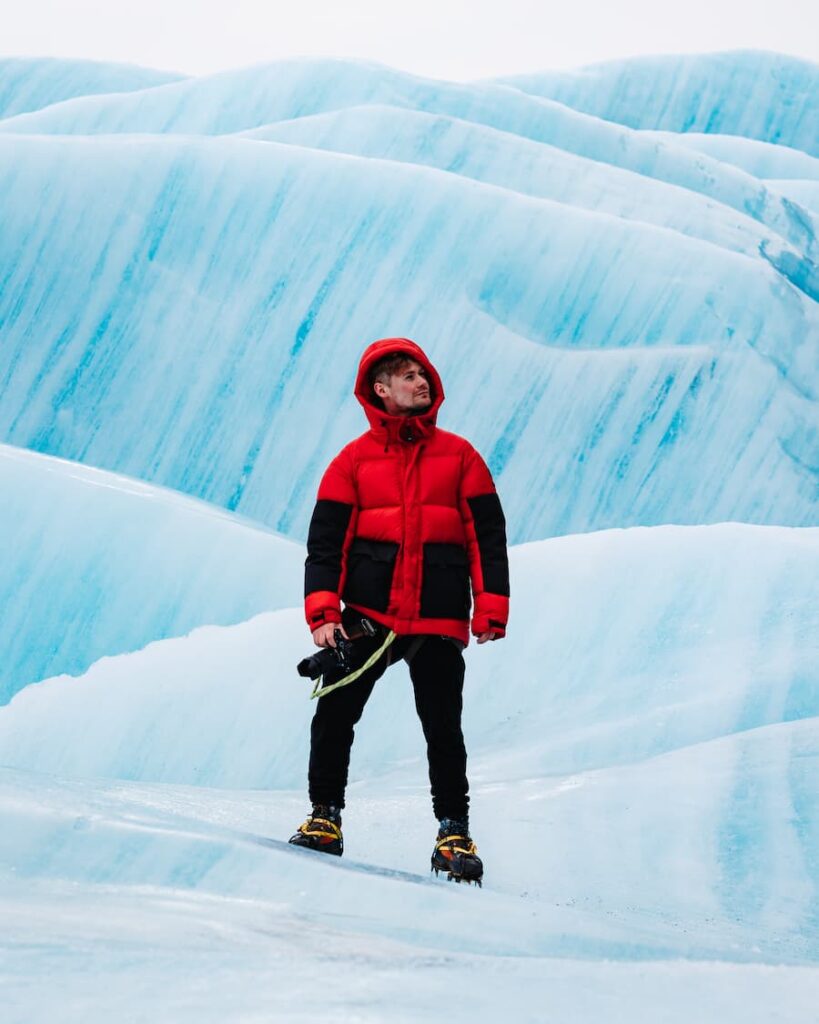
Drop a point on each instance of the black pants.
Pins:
(437, 673)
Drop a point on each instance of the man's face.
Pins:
(407, 392)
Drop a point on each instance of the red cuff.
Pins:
(491, 613)
(320, 607)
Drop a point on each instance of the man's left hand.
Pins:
(489, 635)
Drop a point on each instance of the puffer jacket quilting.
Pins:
(406, 516)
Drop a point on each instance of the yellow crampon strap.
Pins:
(456, 849)
(319, 690)
(306, 830)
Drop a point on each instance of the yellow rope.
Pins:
(320, 691)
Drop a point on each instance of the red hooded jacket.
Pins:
(406, 515)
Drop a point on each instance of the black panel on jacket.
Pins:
(325, 543)
(370, 568)
(490, 528)
(445, 582)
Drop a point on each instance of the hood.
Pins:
(392, 428)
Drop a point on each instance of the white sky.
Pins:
(456, 39)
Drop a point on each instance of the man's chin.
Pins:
(421, 405)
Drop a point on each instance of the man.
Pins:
(406, 515)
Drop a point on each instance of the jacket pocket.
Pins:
(445, 582)
(370, 568)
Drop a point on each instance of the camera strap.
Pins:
(320, 691)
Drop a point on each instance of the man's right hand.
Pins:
(323, 636)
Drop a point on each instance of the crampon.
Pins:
(321, 831)
(456, 854)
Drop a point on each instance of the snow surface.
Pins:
(643, 794)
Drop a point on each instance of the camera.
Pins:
(340, 658)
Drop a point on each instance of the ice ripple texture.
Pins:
(98, 564)
(626, 325)
(641, 318)
(765, 96)
(643, 789)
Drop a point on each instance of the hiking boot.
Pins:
(321, 831)
(455, 853)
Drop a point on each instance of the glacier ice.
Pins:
(636, 312)
(523, 165)
(232, 102)
(767, 96)
(650, 640)
(803, 192)
(653, 748)
(196, 956)
(28, 84)
(96, 564)
(193, 286)
(761, 159)
(646, 298)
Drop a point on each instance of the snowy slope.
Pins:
(28, 84)
(96, 564)
(767, 96)
(643, 794)
(166, 302)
